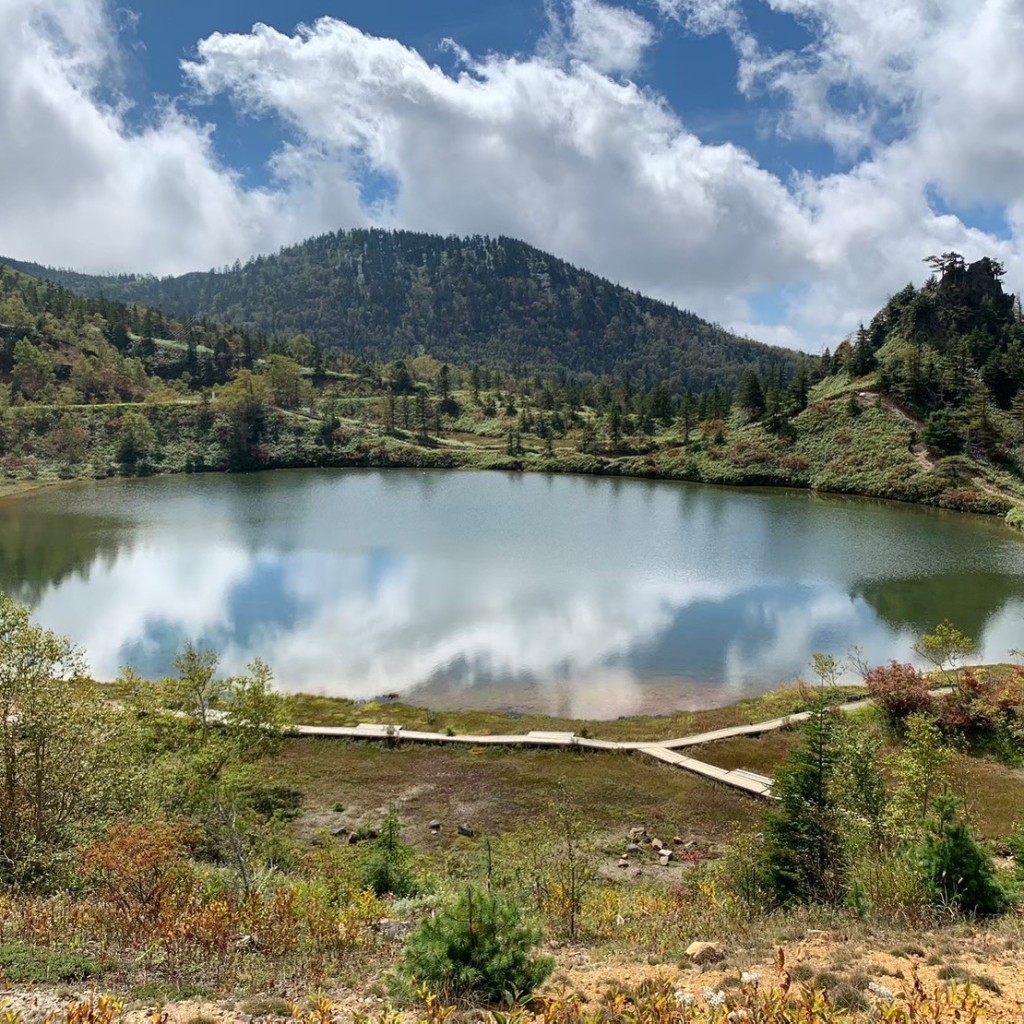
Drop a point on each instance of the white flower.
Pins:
(714, 999)
(684, 998)
(749, 978)
(881, 991)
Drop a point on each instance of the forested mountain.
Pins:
(950, 353)
(497, 303)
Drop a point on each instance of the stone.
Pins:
(340, 833)
(465, 830)
(393, 929)
(657, 844)
(634, 848)
(705, 952)
(637, 833)
(435, 826)
(666, 856)
(624, 863)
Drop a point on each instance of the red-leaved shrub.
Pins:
(899, 690)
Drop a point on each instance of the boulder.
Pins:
(666, 856)
(705, 952)
(624, 863)
(435, 826)
(465, 830)
(634, 848)
(657, 844)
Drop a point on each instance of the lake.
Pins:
(579, 596)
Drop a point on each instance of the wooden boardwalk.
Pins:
(666, 751)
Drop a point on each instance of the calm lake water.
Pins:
(571, 595)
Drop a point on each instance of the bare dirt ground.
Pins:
(843, 962)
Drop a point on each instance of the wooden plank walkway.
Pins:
(666, 751)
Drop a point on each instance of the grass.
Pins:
(994, 792)
(333, 711)
(497, 791)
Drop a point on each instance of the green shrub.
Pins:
(958, 871)
(1015, 517)
(22, 964)
(480, 948)
(388, 868)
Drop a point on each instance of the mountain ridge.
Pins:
(495, 302)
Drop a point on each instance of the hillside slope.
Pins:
(496, 302)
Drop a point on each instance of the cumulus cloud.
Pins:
(79, 187)
(919, 98)
(610, 39)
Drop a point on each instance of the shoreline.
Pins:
(12, 490)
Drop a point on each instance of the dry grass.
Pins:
(309, 710)
(994, 793)
(496, 790)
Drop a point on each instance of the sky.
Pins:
(777, 166)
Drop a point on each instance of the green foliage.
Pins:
(65, 761)
(30, 965)
(206, 737)
(480, 948)
(136, 439)
(387, 869)
(946, 648)
(495, 302)
(920, 768)
(958, 872)
(804, 858)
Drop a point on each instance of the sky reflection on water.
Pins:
(570, 595)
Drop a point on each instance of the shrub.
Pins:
(388, 868)
(480, 948)
(899, 690)
(958, 871)
(139, 869)
(22, 964)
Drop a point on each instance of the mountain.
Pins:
(493, 302)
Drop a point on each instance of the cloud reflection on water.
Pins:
(626, 598)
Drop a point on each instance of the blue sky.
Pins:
(696, 74)
(778, 166)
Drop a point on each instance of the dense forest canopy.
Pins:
(494, 302)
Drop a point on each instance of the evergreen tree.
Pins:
(958, 872)
(751, 397)
(804, 858)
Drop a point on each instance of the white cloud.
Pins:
(558, 148)
(592, 168)
(79, 187)
(610, 39)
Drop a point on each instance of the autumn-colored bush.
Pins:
(986, 705)
(139, 868)
(899, 690)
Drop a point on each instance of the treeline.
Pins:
(495, 302)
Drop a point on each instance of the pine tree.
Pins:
(957, 871)
(804, 859)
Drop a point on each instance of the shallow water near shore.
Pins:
(573, 596)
